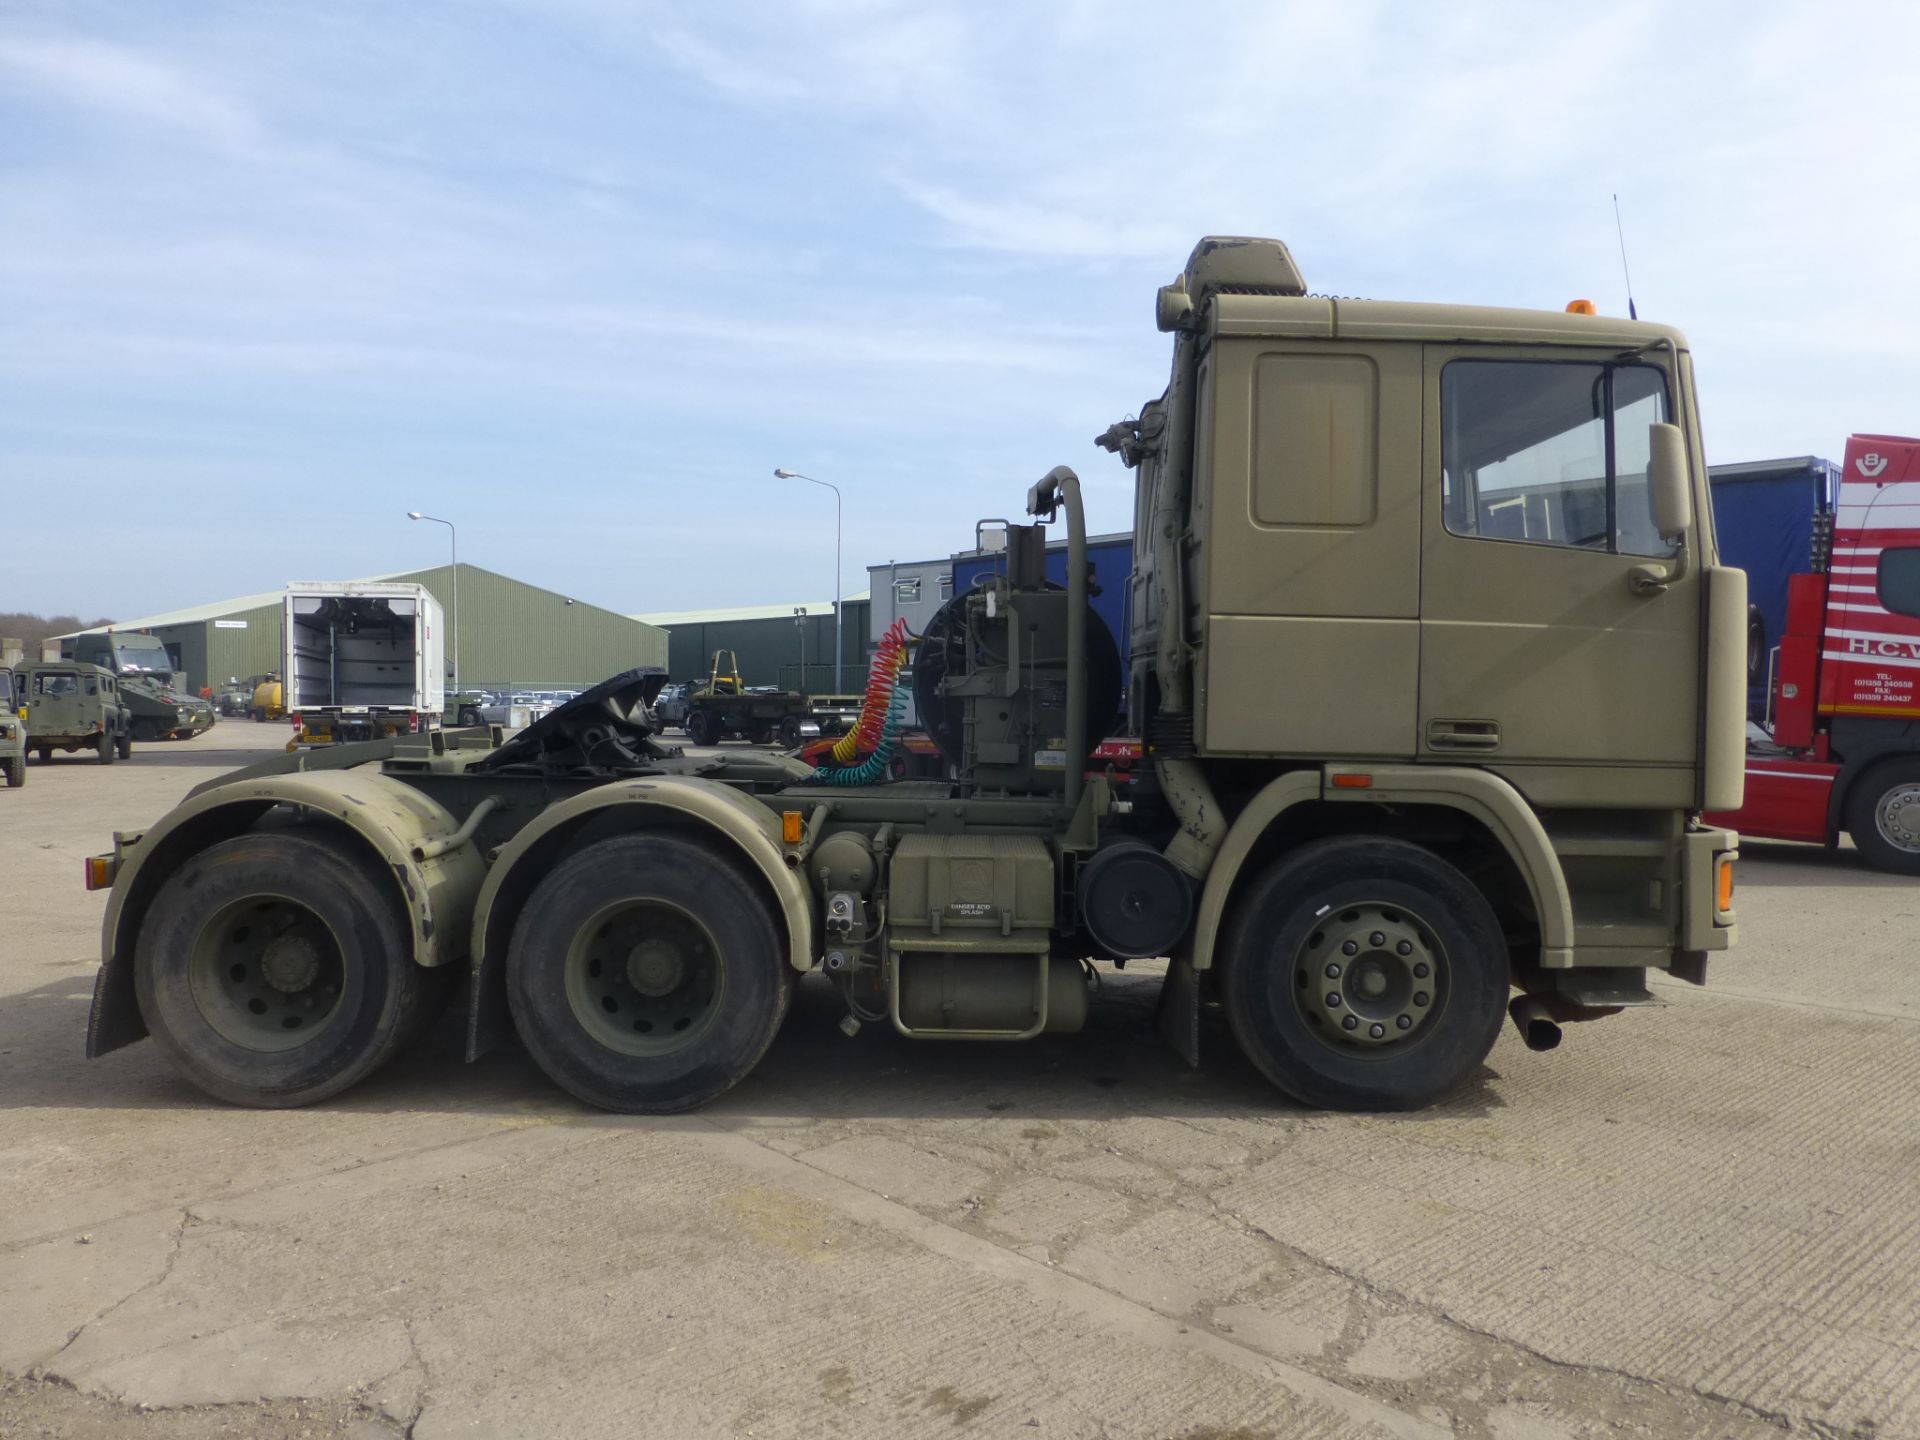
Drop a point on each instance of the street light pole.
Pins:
(838, 648)
(453, 542)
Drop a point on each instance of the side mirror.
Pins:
(991, 537)
(1667, 486)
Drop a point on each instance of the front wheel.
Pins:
(701, 729)
(274, 970)
(469, 716)
(17, 770)
(1365, 974)
(791, 736)
(647, 974)
(1883, 816)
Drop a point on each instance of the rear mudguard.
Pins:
(685, 803)
(390, 819)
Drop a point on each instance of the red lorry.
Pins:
(1841, 746)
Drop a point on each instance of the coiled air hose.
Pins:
(882, 714)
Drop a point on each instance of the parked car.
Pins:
(670, 705)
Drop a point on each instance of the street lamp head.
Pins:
(782, 473)
(415, 515)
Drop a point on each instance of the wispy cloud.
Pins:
(584, 271)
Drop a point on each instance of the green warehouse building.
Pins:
(508, 635)
(787, 647)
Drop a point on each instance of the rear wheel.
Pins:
(104, 747)
(273, 970)
(1883, 816)
(761, 734)
(469, 716)
(647, 974)
(790, 736)
(1365, 974)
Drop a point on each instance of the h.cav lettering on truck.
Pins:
(1840, 717)
(1432, 670)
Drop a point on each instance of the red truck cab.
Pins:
(1840, 748)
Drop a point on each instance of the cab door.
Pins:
(1550, 648)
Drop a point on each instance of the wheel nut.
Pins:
(1333, 999)
(1350, 948)
(1376, 1031)
(1333, 972)
(1405, 947)
(1419, 997)
(1405, 1022)
(1420, 971)
(1376, 939)
(1351, 1023)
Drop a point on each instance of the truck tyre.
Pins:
(273, 970)
(700, 728)
(1364, 974)
(144, 730)
(469, 716)
(123, 742)
(17, 770)
(761, 734)
(1883, 816)
(103, 746)
(647, 974)
(790, 736)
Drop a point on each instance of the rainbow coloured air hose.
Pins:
(882, 712)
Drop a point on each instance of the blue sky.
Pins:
(579, 275)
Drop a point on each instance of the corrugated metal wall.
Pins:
(769, 649)
(518, 635)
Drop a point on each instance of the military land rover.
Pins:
(71, 705)
(13, 731)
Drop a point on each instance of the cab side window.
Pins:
(1899, 581)
(93, 686)
(1551, 453)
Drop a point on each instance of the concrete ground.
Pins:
(1697, 1221)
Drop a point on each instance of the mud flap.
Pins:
(115, 1018)
(1177, 1016)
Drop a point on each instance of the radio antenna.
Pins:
(1618, 229)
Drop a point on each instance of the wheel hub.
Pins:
(643, 977)
(1897, 817)
(291, 961)
(655, 966)
(266, 973)
(1368, 976)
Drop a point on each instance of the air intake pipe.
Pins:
(1060, 487)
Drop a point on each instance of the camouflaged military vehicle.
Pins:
(1433, 670)
(72, 705)
(154, 693)
(13, 732)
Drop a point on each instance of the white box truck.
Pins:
(362, 659)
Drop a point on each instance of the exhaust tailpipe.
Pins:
(1538, 1029)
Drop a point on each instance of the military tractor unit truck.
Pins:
(154, 693)
(1433, 669)
(363, 660)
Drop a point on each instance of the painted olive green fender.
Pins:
(685, 803)
(393, 820)
(1478, 794)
